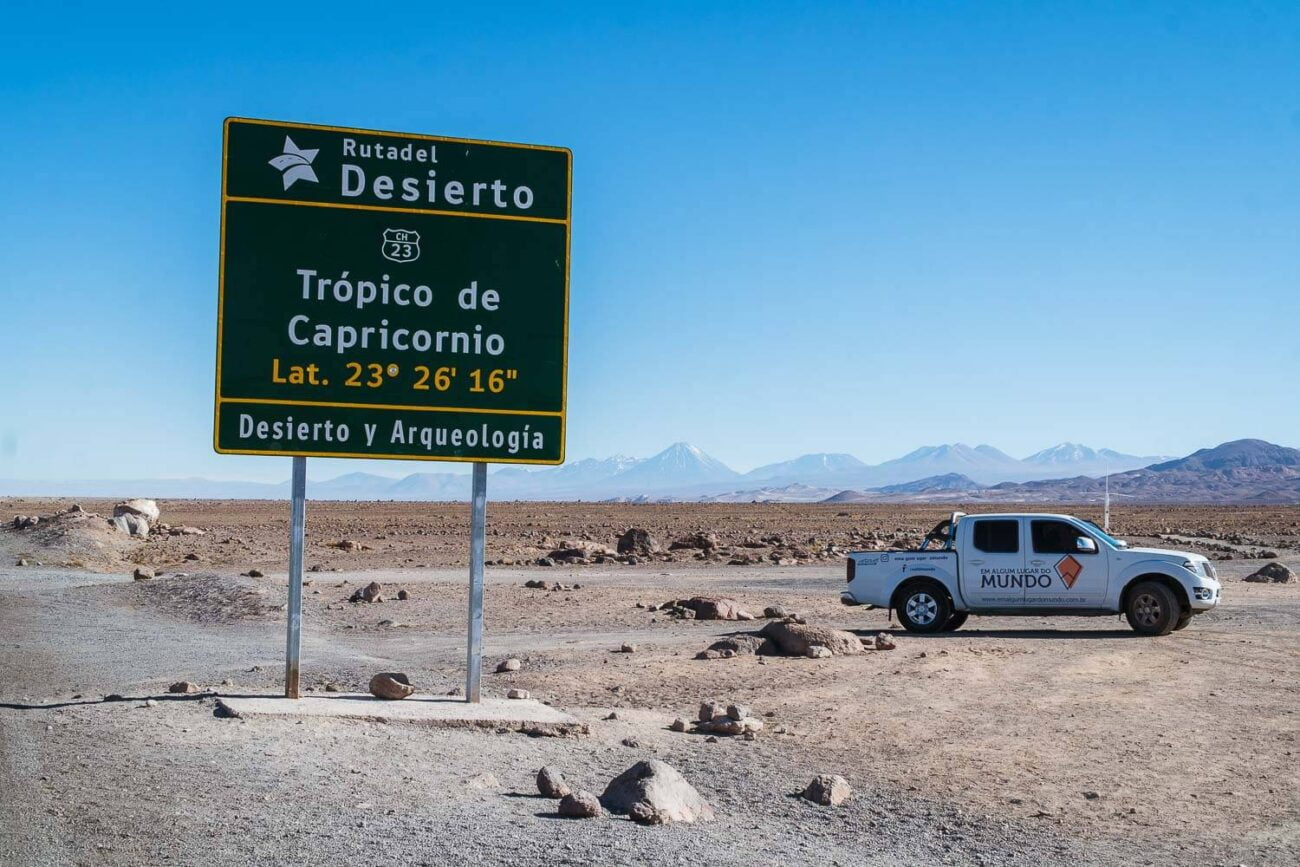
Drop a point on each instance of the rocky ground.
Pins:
(1038, 740)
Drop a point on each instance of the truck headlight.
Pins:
(1191, 566)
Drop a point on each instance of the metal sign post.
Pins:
(477, 539)
(297, 523)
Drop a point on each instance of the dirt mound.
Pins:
(71, 537)
(203, 598)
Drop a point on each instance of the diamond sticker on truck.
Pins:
(1069, 569)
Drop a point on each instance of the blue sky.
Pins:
(851, 227)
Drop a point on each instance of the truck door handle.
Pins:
(975, 562)
(1037, 562)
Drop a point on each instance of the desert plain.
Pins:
(1014, 740)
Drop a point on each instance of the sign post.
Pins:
(391, 295)
(477, 537)
(297, 526)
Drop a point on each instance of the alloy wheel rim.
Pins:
(1146, 609)
(922, 609)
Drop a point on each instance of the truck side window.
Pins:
(997, 537)
(1055, 537)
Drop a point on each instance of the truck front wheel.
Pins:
(1152, 609)
(955, 621)
(924, 607)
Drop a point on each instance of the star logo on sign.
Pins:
(295, 163)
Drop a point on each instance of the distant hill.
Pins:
(1242, 471)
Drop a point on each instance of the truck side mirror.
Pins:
(1085, 544)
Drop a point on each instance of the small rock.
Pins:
(518, 693)
(184, 687)
(775, 612)
(627, 648)
(22, 561)
(115, 696)
(709, 709)
(829, 790)
(142, 573)
(511, 664)
(738, 711)
(551, 783)
(391, 685)
(678, 725)
(151, 702)
(817, 651)
(482, 781)
(580, 805)
(403, 595)
(631, 742)
(884, 642)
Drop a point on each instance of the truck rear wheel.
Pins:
(1152, 609)
(924, 607)
(955, 621)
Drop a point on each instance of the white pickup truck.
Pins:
(1031, 564)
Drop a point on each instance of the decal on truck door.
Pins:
(1069, 570)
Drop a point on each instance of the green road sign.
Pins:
(388, 295)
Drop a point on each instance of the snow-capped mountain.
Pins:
(808, 467)
(1073, 459)
(679, 465)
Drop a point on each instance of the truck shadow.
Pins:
(1004, 633)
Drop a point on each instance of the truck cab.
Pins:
(1031, 564)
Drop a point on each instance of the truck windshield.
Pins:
(1106, 537)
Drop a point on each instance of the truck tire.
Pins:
(1152, 609)
(924, 607)
(1183, 619)
(955, 621)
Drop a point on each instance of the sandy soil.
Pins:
(1030, 740)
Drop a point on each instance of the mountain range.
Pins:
(680, 472)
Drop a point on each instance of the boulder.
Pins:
(580, 550)
(695, 541)
(794, 639)
(710, 709)
(637, 541)
(580, 805)
(725, 725)
(1272, 573)
(372, 592)
(741, 645)
(712, 608)
(551, 784)
(829, 790)
(146, 509)
(653, 792)
(132, 525)
(391, 685)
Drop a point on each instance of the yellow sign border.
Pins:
(218, 399)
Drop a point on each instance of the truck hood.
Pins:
(1164, 554)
